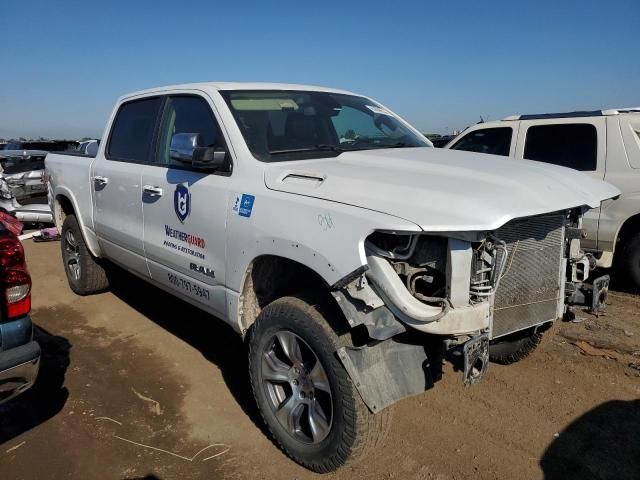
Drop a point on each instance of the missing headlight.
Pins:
(419, 260)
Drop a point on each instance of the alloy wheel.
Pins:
(72, 250)
(297, 387)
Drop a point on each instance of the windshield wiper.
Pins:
(396, 145)
(321, 147)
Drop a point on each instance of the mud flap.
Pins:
(476, 359)
(387, 371)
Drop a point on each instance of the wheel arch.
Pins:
(629, 226)
(64, 204)
(269, 277)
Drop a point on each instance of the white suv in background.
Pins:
(604, 144)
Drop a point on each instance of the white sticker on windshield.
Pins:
(379, 110)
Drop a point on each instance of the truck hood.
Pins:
(440, 190)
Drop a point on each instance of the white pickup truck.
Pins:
(327, 231)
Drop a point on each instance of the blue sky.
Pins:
(438, 64)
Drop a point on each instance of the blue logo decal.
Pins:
(182, 202)
(244, 205)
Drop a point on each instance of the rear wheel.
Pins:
(84, 274)
(628, 261)
(304, 394)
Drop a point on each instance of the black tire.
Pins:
(513, 348)
(353, 431)
(84, 274)
(628, 261)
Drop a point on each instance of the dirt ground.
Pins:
(135, 384)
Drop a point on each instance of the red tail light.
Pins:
(15, 282)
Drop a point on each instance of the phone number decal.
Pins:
(188, 286)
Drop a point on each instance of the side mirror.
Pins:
(92, 149)
(186, 147)
(183, 145)
(208, 158)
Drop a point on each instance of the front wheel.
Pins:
(84, 274)
(515, 347)
(304, 394)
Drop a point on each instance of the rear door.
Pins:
(578, 143)
(185, 208)
(117, 177)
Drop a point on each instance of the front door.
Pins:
(116, 178)
(185, 209)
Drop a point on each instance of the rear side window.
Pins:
(496, 141)
(568, 145)
(132, 131)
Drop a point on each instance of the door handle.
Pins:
(152, 190)
(101, 180)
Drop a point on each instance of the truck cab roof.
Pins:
(235, 86)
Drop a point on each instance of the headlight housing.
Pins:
(419, 260)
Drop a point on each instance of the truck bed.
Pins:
(72, 171)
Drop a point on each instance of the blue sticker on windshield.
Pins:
(243, 205)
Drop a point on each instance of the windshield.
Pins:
(291, 125)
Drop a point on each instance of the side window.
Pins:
(568, 145)
(496, 141)
(132, 131)
(191, 115)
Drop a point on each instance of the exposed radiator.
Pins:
(530, 288)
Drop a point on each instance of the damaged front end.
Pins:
(464, 289)
(416, 284)
(23, 191)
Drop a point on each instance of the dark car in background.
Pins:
(43, 145)
(19, 352)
